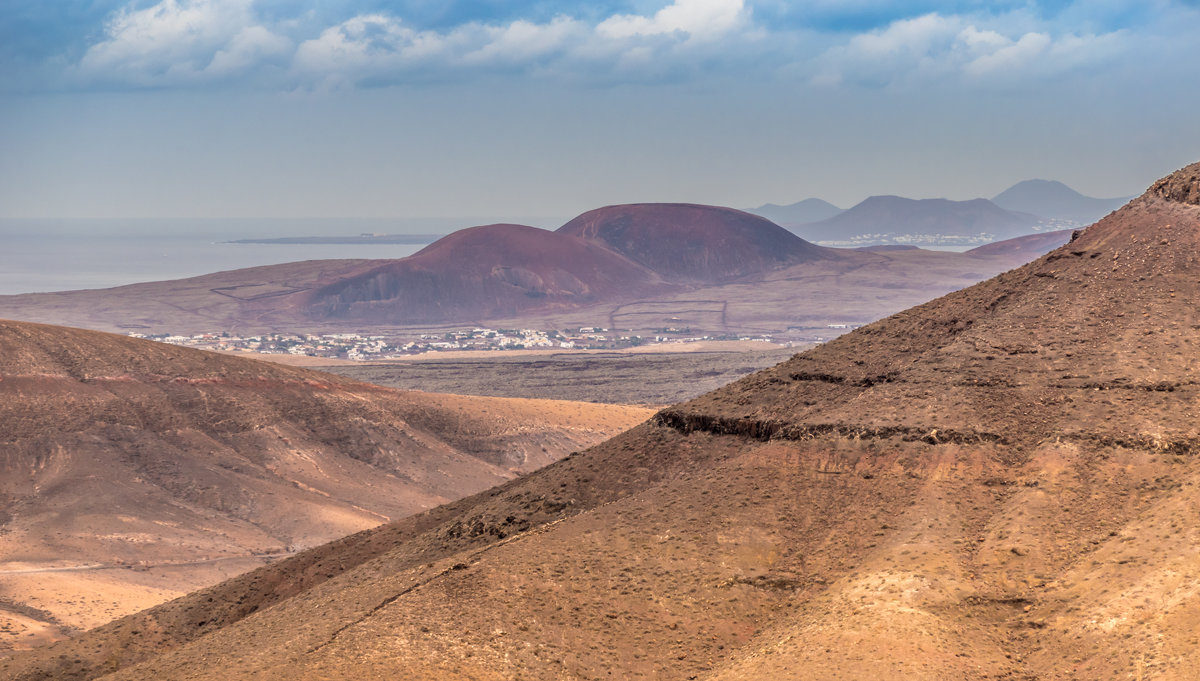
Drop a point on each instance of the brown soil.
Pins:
(132, 471)
(999, 484)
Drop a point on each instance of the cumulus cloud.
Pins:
(184, 42)
(189, 41)
(381, 47)
(936, 46)
(697, 19)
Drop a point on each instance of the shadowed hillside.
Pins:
(123, 453)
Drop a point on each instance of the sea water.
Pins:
(38, 255)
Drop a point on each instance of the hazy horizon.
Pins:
(405, 109)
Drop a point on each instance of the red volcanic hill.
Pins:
(589, 272)
(999, 484)
(485, 272)
(693, 243)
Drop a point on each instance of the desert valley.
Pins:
(675, 340)
(995, 483)
(136, 471)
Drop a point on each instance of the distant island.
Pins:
(360, 239)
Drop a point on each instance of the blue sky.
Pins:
(255, 108)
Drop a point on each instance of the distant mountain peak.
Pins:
(1038, 184)
(800, 212)
(895, 217)
(1053, 199)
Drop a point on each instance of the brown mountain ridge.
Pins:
(189, 466)
(998, 484)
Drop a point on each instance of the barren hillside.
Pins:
(132, 471)
(997, 484)
(694, 244)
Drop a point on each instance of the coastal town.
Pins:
(365, 347)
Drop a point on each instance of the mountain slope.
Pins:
(1052, 199)
(974, 221)
(485, 272)
(121, 452)
(691, 243)
(1024, 248)
(996, 484)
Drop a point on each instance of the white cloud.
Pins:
(182, 42)
(525, 41)
(1004, 55)
(936, 46)
(699, 19)
(250, 46)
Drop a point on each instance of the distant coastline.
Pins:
(360, 239)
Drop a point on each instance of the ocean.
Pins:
(64, 255)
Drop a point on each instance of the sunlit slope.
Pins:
(997, 484)
(190, 466)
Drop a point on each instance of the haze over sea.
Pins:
(68, 254)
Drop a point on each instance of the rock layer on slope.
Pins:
(692, 243)
(1001, 483)
(189, 466)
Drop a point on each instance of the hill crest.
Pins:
(693, 243)
(486, 272)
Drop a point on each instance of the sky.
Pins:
(441, 108)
